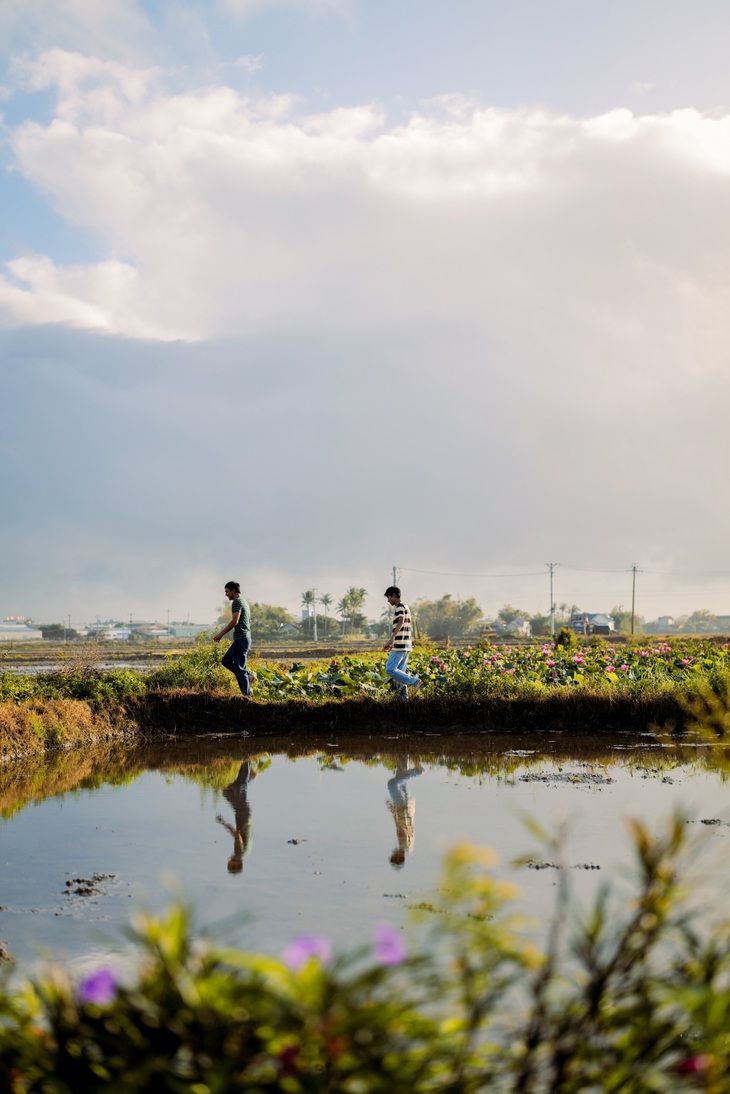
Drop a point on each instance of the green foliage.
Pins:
(57, 632)
(341, 677)
(622, 620)
(635, 1000)
(438, 618)
(268, 620)
(93, 687)
(199, 668)
(350, 609)
(540, 625)
(683, 666)
(565, 639)
(702, 622)
(508, 614)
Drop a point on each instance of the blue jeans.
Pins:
(234, 659)
(395, 667)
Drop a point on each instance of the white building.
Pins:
(19, 632)
(188, 630)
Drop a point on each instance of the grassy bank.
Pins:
(593, 688)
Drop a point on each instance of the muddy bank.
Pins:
(573, 714)
(35, 727)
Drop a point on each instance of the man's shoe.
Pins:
(416, 686)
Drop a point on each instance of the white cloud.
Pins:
(246, 8)
(221, 214)
(544, 295)
(112, 28)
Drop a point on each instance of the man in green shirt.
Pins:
(234, 659)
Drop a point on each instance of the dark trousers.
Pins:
(234, 659)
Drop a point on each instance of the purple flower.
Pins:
(305, 946)
(388, 947)
(99, 988)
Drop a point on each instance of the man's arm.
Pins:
(233, 623)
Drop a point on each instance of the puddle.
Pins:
(327, 838)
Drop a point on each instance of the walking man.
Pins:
(400, 644)
(234, 659)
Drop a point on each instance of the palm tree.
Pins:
(352, 602)
(308, 601)
(325, 600)
(343, 609)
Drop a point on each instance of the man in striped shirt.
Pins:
(400, 644)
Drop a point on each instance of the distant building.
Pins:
(519, 628)
(600, 623)
(188, 630)
(19, 632)
(580, 623)
(592, 623)
(664, 622)
(108, 631)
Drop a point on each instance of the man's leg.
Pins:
(395, 669)
(235, 661)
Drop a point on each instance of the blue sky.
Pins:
(294, 291)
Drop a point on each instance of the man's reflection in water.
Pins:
(403, 808)
(237, 794)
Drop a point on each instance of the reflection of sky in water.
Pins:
(253, 887)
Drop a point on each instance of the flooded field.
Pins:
(333, 838)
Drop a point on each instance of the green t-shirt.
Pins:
(243, 627)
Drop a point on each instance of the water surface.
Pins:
(334, 840)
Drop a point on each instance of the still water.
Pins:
(328, 837)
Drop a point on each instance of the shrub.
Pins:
(637, 1001)
(565, 639)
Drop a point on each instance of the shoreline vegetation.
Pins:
(629, 996)
(567, 687)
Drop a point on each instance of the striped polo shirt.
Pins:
(404, 639)
(243, 627)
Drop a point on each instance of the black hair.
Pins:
(233, 585)
(392, 590)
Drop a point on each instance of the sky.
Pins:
(293, 292)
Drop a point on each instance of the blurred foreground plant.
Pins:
(635, 998)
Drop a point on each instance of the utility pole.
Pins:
(395, 576)
(633, 594)
(551, 567)
(314, 628)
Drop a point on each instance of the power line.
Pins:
(570, 569)
(449, 573)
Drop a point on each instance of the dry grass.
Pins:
(34, 727)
